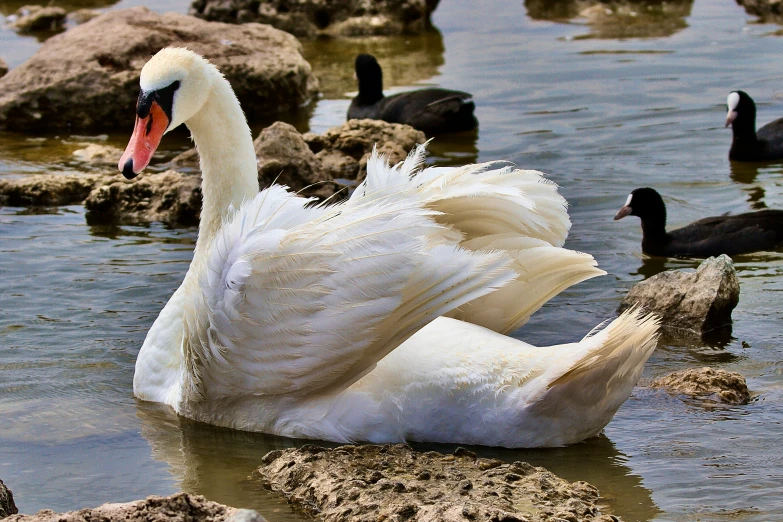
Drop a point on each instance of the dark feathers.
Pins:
(712, 236)
(434, 111)
(747, 144)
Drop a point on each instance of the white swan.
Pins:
(323, 322)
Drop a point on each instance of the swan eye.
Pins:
(164, 97)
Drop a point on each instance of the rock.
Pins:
(170, 197)
(343, 150)
(94, 153)
(616, 18)
(3, 67)
(87, 77)
(697, 301)
(395, 482)
(176, 508)
(81, 16)
(767, 10)
(35, 18)
(309, 18)
(709, 383)
(7, 506)
(284, 158)
(50, 189)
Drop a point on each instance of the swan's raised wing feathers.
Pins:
(290, 305)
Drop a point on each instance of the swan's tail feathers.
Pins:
(585, 392)
(543, 271)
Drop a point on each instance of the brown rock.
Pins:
(49, 189)
(34, 18)
(176, 508)
(3, 67)
(710, 383)
(766, 10)
(308, 18)
(96, 154)
(87, 78)
(171, 197)
(697, 301)
(7, 506)
(81, 16)
(392, 482)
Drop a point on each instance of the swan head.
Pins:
(175, 84)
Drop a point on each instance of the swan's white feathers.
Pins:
(295, 303)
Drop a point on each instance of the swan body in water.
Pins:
(377, 319)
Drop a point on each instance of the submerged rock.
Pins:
(706, 383)
(88, 77)
(308, 18)
(395, 482)
(35, 18)
(7, 506)
(697, 301)
(180, 507)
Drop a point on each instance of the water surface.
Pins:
(604, 103)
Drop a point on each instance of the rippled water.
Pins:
(604, 106)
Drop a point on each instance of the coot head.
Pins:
(741, 111)
(645, 203)
(370, 76)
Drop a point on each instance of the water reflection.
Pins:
(615, 19)
(405, 60)
(748, 174)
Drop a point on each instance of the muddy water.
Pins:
(603, 103)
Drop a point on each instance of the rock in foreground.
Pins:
(697, 301)
(181, 507)
(88, 77)
(706, 383)
(308, 18)
(7, 506)
(395, 482)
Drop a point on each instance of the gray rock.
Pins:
(697, 301)
(308, 18)
(706, 383)
(35, 18)
(395, 482)
(87, 77)
(7, 506)
(175, 508)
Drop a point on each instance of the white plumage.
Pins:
(326, 321)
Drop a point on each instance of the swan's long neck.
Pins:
(228, 161)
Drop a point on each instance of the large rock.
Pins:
(766, 10)
(181, 507)
(395, 482)
(309, 18)
(38, 18)
(50, 190)
(706, 383)
(697, 301)
(87, 78)
(7, 506)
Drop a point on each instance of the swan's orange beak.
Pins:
(145, 139)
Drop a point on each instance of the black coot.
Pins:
(766, 144)
(434, 111)
(712, 236)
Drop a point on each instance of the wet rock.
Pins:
(343, 151)
(7, 506)
(170, 197)
(706, 383)
(35, 18)
(50, 189)
(616, 18)
(3, 67)
(766, 10)
(308, 18)
(96, 154)
(87, 77)
(339, 485)
(175, 508)
(697, 301)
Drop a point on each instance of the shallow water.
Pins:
(555, 92)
